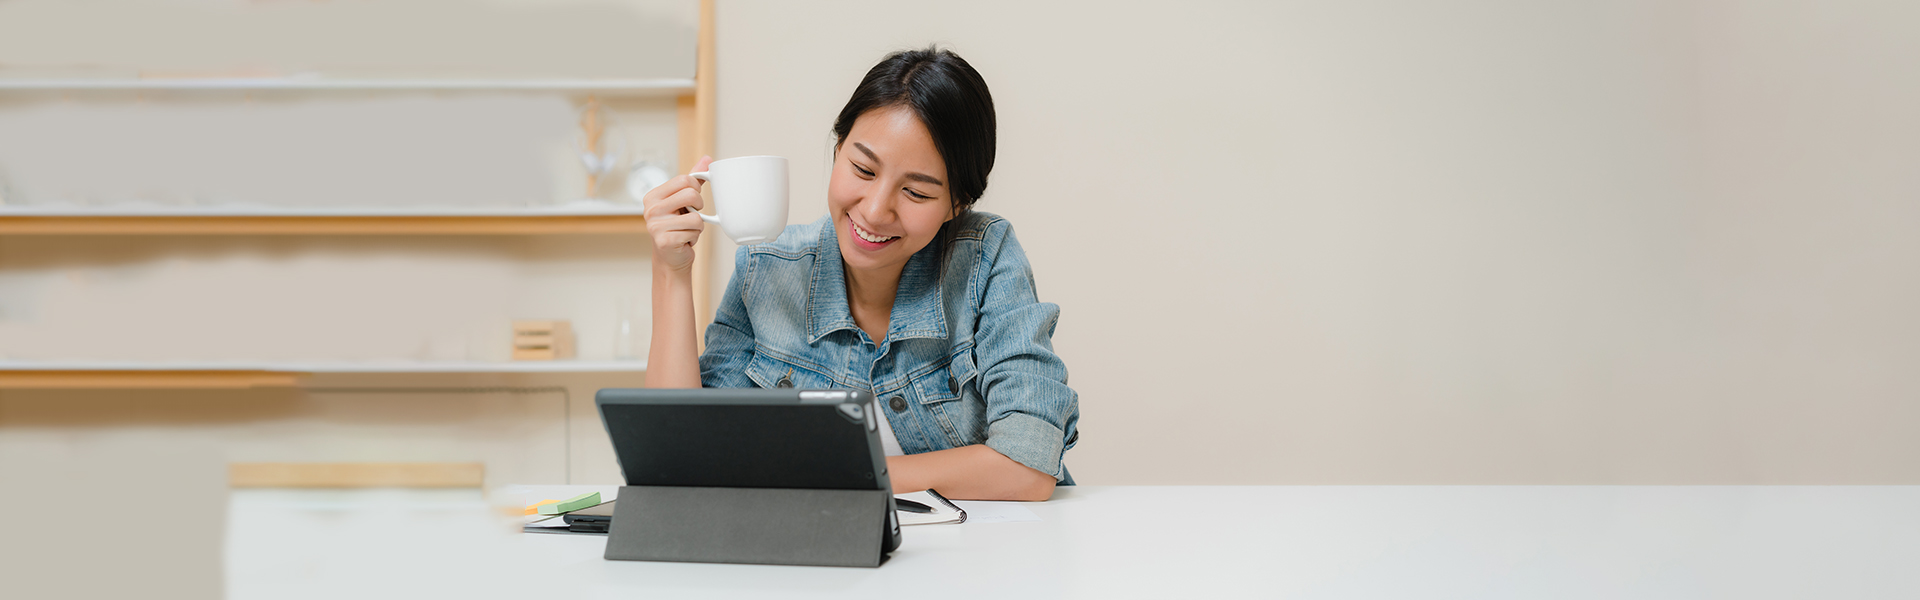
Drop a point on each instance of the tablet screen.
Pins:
(778, 438)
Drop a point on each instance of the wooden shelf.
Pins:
(264, 221)
(613, 87)
(66, 379)
(233, 375)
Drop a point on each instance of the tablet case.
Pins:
(774, 526)
(786, 477)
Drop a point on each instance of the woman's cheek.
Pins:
(835, 185)
(841, 193)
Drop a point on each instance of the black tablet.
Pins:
(745, 438)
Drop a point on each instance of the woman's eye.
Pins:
(863, 170)
(917, 195)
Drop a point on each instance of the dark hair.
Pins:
(952, 101)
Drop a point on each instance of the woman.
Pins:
(901, 289)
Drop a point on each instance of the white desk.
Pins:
(1148, 542)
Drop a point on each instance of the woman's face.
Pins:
(888, 192)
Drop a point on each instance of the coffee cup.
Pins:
(749, 196)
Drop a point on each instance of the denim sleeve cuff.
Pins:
(1030, 441)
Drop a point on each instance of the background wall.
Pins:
(1415, 242)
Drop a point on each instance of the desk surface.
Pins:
(1128, 542)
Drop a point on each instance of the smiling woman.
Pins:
(901, 289)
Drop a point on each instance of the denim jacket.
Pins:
(968, 357)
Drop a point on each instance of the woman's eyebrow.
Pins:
(870, 155)
(913, 176)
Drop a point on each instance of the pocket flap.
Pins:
(948, 382)
(769, 372)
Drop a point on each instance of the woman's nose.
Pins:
(877, 210)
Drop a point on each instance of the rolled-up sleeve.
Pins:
(1032, 416)
(730, 336)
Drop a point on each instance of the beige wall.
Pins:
(1415, 242)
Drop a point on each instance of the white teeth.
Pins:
(870, 237)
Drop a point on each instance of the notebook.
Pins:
(944, 511)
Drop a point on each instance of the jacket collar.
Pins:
(916, 305)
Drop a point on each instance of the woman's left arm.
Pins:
(1032, 415)
(974, 472)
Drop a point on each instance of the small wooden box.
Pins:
(546, 339)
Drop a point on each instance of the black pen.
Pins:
(911, 506)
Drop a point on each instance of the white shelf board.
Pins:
(396, 366)
(595, 210)
(608, 86)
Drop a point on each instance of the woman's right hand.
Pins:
(673, 219)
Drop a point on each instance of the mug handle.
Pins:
(703, 176)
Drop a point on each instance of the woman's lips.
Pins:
(856, 231)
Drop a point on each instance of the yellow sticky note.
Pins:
(534, 509)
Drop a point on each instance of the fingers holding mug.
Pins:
(699, 172)
(672, 210)
(676, 196)
(658, 196)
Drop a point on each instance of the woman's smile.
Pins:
(867, 239)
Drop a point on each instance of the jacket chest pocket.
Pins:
(769, 372)
(952, 397)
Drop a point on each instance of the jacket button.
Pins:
(899, 404)
(953, 385)
(785, 382)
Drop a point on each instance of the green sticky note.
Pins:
(571, 504)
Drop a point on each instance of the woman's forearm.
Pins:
(974, 472)
(673, 358)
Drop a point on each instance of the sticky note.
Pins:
(534, 509)
(571, 504)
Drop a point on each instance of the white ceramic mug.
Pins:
(749, 196)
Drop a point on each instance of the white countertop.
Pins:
(1146, 542)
